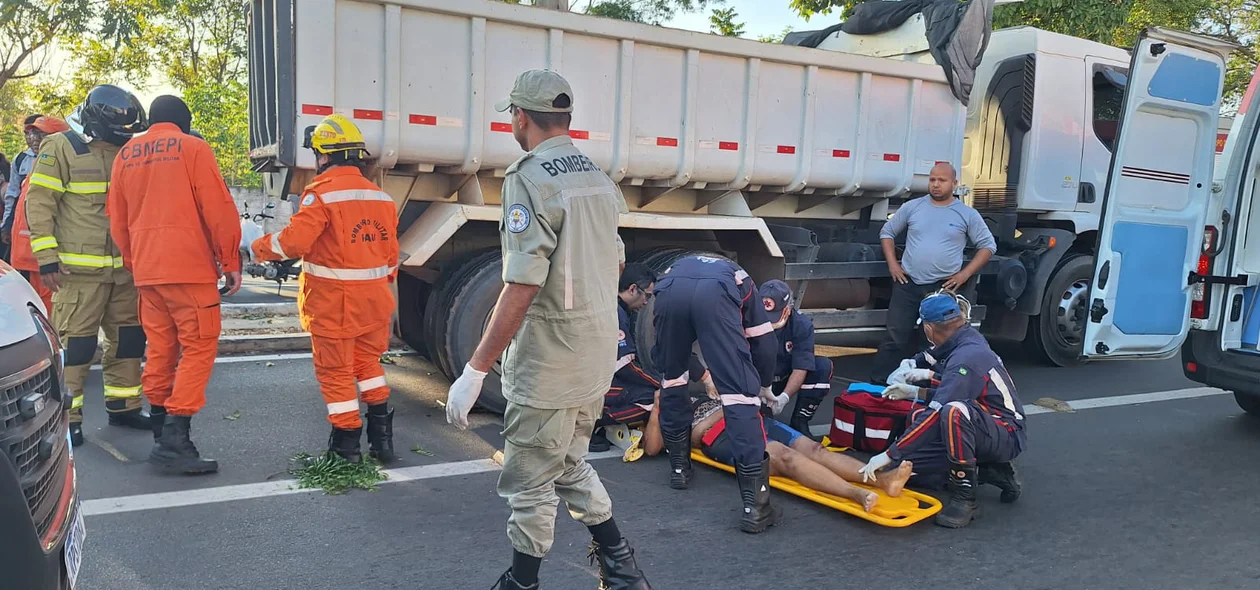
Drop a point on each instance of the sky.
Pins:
(760, 17)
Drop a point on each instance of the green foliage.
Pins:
(776, 38)
(221, 115)
(618, 9)
(334, 475)
(722, 22)
(809, 8)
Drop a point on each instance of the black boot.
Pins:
(175, 452)
(507, 582)
(1004, 477)
(801, 415)
(962, 508)
(137, 419)
(617, 568)
(76, 434)
(599, 442)
(380, 433)
(754, 488)
(345, 442)
(679, 449)
(157, 417)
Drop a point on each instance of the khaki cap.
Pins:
(537, 90)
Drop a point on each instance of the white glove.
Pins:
(876, 463)
(900, 391)
(918, 375)
(462, 396)
(767, 396)
(780, 402)
(899, 376)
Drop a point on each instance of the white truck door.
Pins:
(1156, 199)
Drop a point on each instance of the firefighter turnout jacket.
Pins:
(65, 209)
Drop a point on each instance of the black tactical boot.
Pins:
(962, 508)
(137, 419)
(76, 434)
(801, 415)
(380, 433)
(507, 582)
(599, 442)
(175, 452)
(157, 417)
(679, 449)
(346, 444)
(754, 488)
(617, 568)
(1004, 477)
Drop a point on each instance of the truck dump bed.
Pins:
(654, 106)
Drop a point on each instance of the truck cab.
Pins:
(1222, 349)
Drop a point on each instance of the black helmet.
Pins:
(111, 114)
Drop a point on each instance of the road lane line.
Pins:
(249, 491)
(285, 487)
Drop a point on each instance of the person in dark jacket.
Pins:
(973, 424)
(631, 398)
(798, 371)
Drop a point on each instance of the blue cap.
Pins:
(775, 295)
(941, 307)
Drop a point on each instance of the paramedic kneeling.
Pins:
(798, 372)
(973, 416)
(631, 399)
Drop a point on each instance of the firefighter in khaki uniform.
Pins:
(559, 308)
(346, 236)
(78, 261)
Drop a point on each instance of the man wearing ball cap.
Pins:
(798, 373)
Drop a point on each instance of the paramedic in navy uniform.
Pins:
(938, 227)
(972, 419)
(798, 372)
(714, 302)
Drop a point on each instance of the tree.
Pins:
(618, 9)
(809, 8)
(776, 38)
(652, 12)
(722, 22)
(29, 27)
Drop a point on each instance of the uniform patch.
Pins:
(707, 259)
(518, 218)
(47, 159)
(767, 303)
(962, 370)
(308, 199)
(621, 335)
(788, 346)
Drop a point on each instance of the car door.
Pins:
(1155, 204)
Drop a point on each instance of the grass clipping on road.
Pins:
(335, 475)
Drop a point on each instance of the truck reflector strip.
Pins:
(316, 109)
(422, 120)
(732, 146)
(840, 153)
(501, 127)
(579, 134)
(667, 141)
(892, 157)
(1156, 175)
(786, 149)
(368, 114)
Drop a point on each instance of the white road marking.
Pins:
(287, 356)
(249, 491)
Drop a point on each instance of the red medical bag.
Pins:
(865, 421)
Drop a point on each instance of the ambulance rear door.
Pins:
(1158, 191)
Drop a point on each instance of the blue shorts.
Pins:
(723, 452)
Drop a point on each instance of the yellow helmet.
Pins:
(336, 134)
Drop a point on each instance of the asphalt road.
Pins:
(1152, 495)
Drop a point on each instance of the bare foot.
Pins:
(894, 480)
(869, 499)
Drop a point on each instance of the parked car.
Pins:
(41, 526)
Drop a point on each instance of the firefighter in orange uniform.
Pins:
(20, 255)
(177, 228)
(346, 235)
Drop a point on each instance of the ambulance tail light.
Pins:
(1198, 294)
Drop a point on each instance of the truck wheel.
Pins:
(413, 295)
(437, 314)
(1249, 402)
(1055, 336)
(472, 298)
(644, 331)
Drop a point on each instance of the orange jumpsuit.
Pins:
(346, 235)
(20, 255)
(176, 226)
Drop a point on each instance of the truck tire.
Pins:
(413, 297)
(1055, 334)
(1249, 402)
(473, 299)
(644, 331)
(438, 314)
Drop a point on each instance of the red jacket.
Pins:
(346, 234)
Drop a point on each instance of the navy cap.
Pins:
(775, 295)
(941, 307)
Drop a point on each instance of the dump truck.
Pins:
(786, 159)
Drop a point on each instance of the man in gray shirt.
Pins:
(938, 228)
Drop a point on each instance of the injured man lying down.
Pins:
(794, 455)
